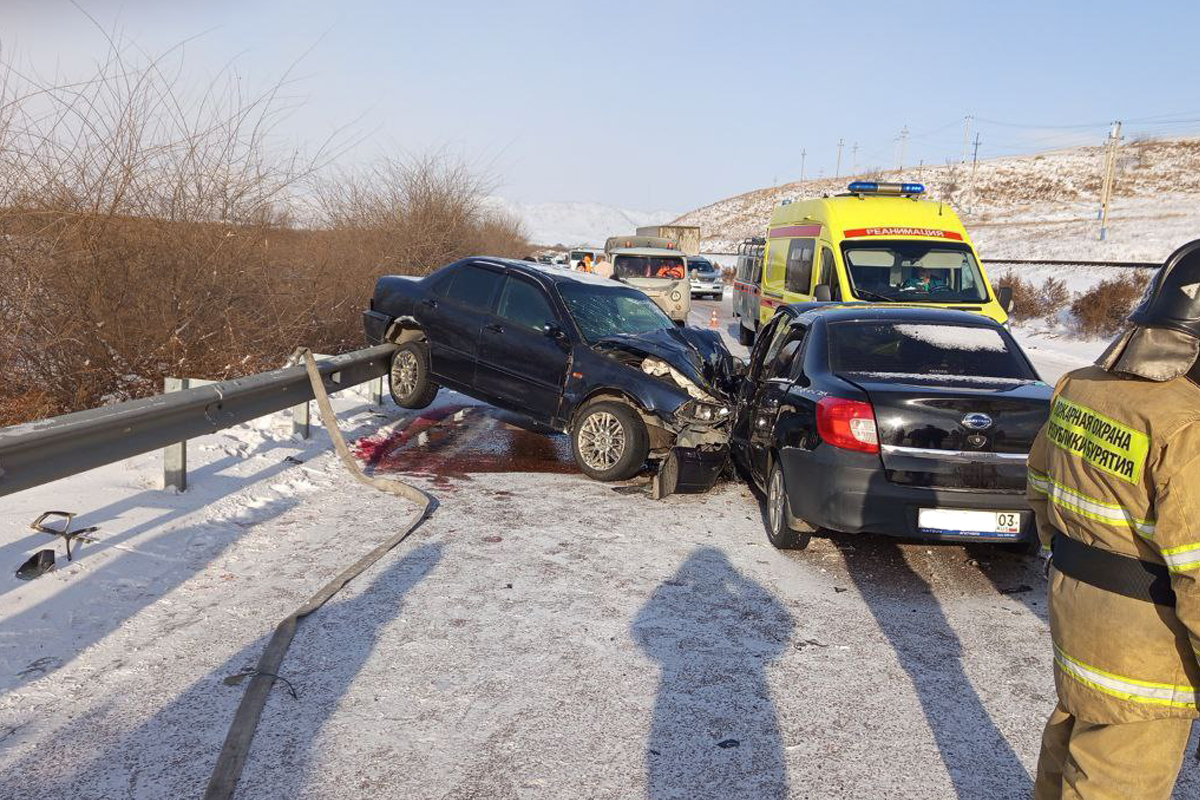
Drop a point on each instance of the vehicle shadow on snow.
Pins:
(330, 650)
(715, 732)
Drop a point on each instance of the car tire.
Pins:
(609, 441)
(408, 378)
(780, 533)
(745, 335)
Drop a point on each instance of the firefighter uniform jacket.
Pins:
(1117, 466)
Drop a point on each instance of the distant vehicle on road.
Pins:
(580, 353)
(747, 287)
(685, 238)
(655, 266)
(901, 421)
(704, 278)
(880, 243)
(577, 255)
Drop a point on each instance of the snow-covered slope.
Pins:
(572, 223)
(1034, 206)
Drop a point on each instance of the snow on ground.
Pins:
(541, 636)
(1034, 206)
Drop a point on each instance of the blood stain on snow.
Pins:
(448, 446)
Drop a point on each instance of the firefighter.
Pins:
(1114, 482)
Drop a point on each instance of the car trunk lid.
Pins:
(964, 433)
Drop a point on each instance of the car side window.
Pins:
(759, 354)
(475, 286)
(441, 282)
(800, 266)
(523, 303)
(787, 342)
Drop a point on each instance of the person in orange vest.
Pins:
(1114, 482)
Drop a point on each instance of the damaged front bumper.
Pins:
(689, 470)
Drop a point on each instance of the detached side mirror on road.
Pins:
(1004, 296)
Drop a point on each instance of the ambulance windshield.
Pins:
(913, 271)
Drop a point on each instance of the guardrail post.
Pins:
(300, 420)
(175, 455)
(376, 388)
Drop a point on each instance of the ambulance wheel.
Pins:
(745, 335)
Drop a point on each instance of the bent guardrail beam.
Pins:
(38, 452)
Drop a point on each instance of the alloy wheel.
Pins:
(775, 501)
(404, 373)
(601, 441)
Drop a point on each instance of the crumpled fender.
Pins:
(699, 355)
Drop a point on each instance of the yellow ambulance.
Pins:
(878, 243)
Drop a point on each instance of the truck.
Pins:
(657, 267)
(685, 237)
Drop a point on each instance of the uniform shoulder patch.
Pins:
(1102, 442)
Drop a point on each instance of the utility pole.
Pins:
(1110, 165)
(837, 173)
(803, 158)
(854, 151)
(974, 165)
(966, 136)
(903, 145)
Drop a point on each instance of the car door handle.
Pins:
(494, 327)
(430, 302)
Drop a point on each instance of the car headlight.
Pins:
(676, 296)
(703, 412)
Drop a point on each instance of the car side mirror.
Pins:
(822, 293)
(553, 331)
(1004, 295)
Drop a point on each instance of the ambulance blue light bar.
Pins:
(875, 187)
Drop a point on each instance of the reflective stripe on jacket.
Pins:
(1117, 466)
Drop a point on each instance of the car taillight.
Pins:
(848, 424)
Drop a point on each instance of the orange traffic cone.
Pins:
(713, 322)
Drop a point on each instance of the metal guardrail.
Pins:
(38, 452)
(1053, 263)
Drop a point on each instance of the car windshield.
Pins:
(648, 267)
(701, 266)
(924, 350)
(602, 311)
(579, 255)
(921, 272)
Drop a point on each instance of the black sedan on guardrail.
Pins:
(902, 421)
(577, 352)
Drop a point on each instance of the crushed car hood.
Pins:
(699, 354)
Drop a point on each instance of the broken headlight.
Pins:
(703, 412)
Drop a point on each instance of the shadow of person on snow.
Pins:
(715, 732)
(979, 760)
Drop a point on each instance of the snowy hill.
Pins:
(572, 223)
(1034, 206)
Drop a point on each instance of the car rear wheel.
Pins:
(609, 441)
(779, 530)
(408, 379)
(745, 335)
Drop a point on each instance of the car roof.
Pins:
(841, 312)
(547, 273)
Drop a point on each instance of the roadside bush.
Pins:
(1102, 311)
(145, 233)
(1031, 301)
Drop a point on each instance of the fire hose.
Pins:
(236, 748)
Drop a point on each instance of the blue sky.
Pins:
(667, 105)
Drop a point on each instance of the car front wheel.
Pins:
(609, 441)
(779, 531)
(408, 379)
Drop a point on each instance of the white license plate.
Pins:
(949, 520)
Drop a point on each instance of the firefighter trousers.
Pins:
(1088, 761)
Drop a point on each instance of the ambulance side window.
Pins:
(829, 274)
(800, 266)
(776, 261)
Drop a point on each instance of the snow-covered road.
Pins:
(541, 636)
